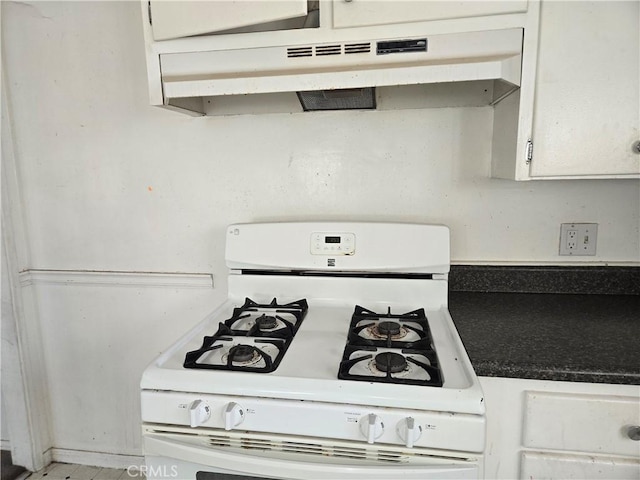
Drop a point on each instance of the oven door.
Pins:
(193, 456)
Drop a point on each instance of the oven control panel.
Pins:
(333, 243)
(363, 424)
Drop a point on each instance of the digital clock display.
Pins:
(331, 239)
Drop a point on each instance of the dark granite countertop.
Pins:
(576, 337)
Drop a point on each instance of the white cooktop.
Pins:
(309, 368)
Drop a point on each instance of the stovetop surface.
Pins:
(309, 369)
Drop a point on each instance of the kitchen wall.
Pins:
(4, 428)
(112, 184)
(4, 435)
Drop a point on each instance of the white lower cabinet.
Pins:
(536, 465)
(579, 422)
(538, 429)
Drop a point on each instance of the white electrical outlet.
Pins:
(578, 238)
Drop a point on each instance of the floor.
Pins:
(67, 471)
(9, 471)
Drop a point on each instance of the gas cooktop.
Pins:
(387, 347)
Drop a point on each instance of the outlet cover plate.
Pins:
(578, 238)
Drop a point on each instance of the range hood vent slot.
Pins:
(402, 46)
(294, 52)
(328, 50)
(357, 48)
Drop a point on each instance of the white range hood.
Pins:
(491, 55)
(203, 73)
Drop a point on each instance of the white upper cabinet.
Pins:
(586, 120)
(176, 18)
(358, 13)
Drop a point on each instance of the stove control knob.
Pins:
(233, 415)
(409, 431)
(371, 427)
(199, 413)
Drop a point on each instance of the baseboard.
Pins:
(95, 459)
(47, 457)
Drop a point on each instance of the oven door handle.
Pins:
(239, 464)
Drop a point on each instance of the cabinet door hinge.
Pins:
(149, 9)
(529, 151)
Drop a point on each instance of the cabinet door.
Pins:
(536, 465)
(358, 13)
(178, 18)
(581, 423)
(587, 97)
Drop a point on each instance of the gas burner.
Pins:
(388, 328)
(266, 322)
(407, 330)
(387, 332)
(390, 362)
(242, 354)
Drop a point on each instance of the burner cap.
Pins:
(390, 362)
(265, 322)
(241, 353)
(389, 328)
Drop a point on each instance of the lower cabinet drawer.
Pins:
(582, 423)
(537, 466)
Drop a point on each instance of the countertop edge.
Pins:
(532, 372)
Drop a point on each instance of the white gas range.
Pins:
(334, 356)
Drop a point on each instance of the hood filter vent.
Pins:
(338, 99)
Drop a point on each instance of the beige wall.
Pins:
(110, 183)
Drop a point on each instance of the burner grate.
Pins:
(390, 348)
(287, 319)
(407, 330)
(355, 356)
(254, 339)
